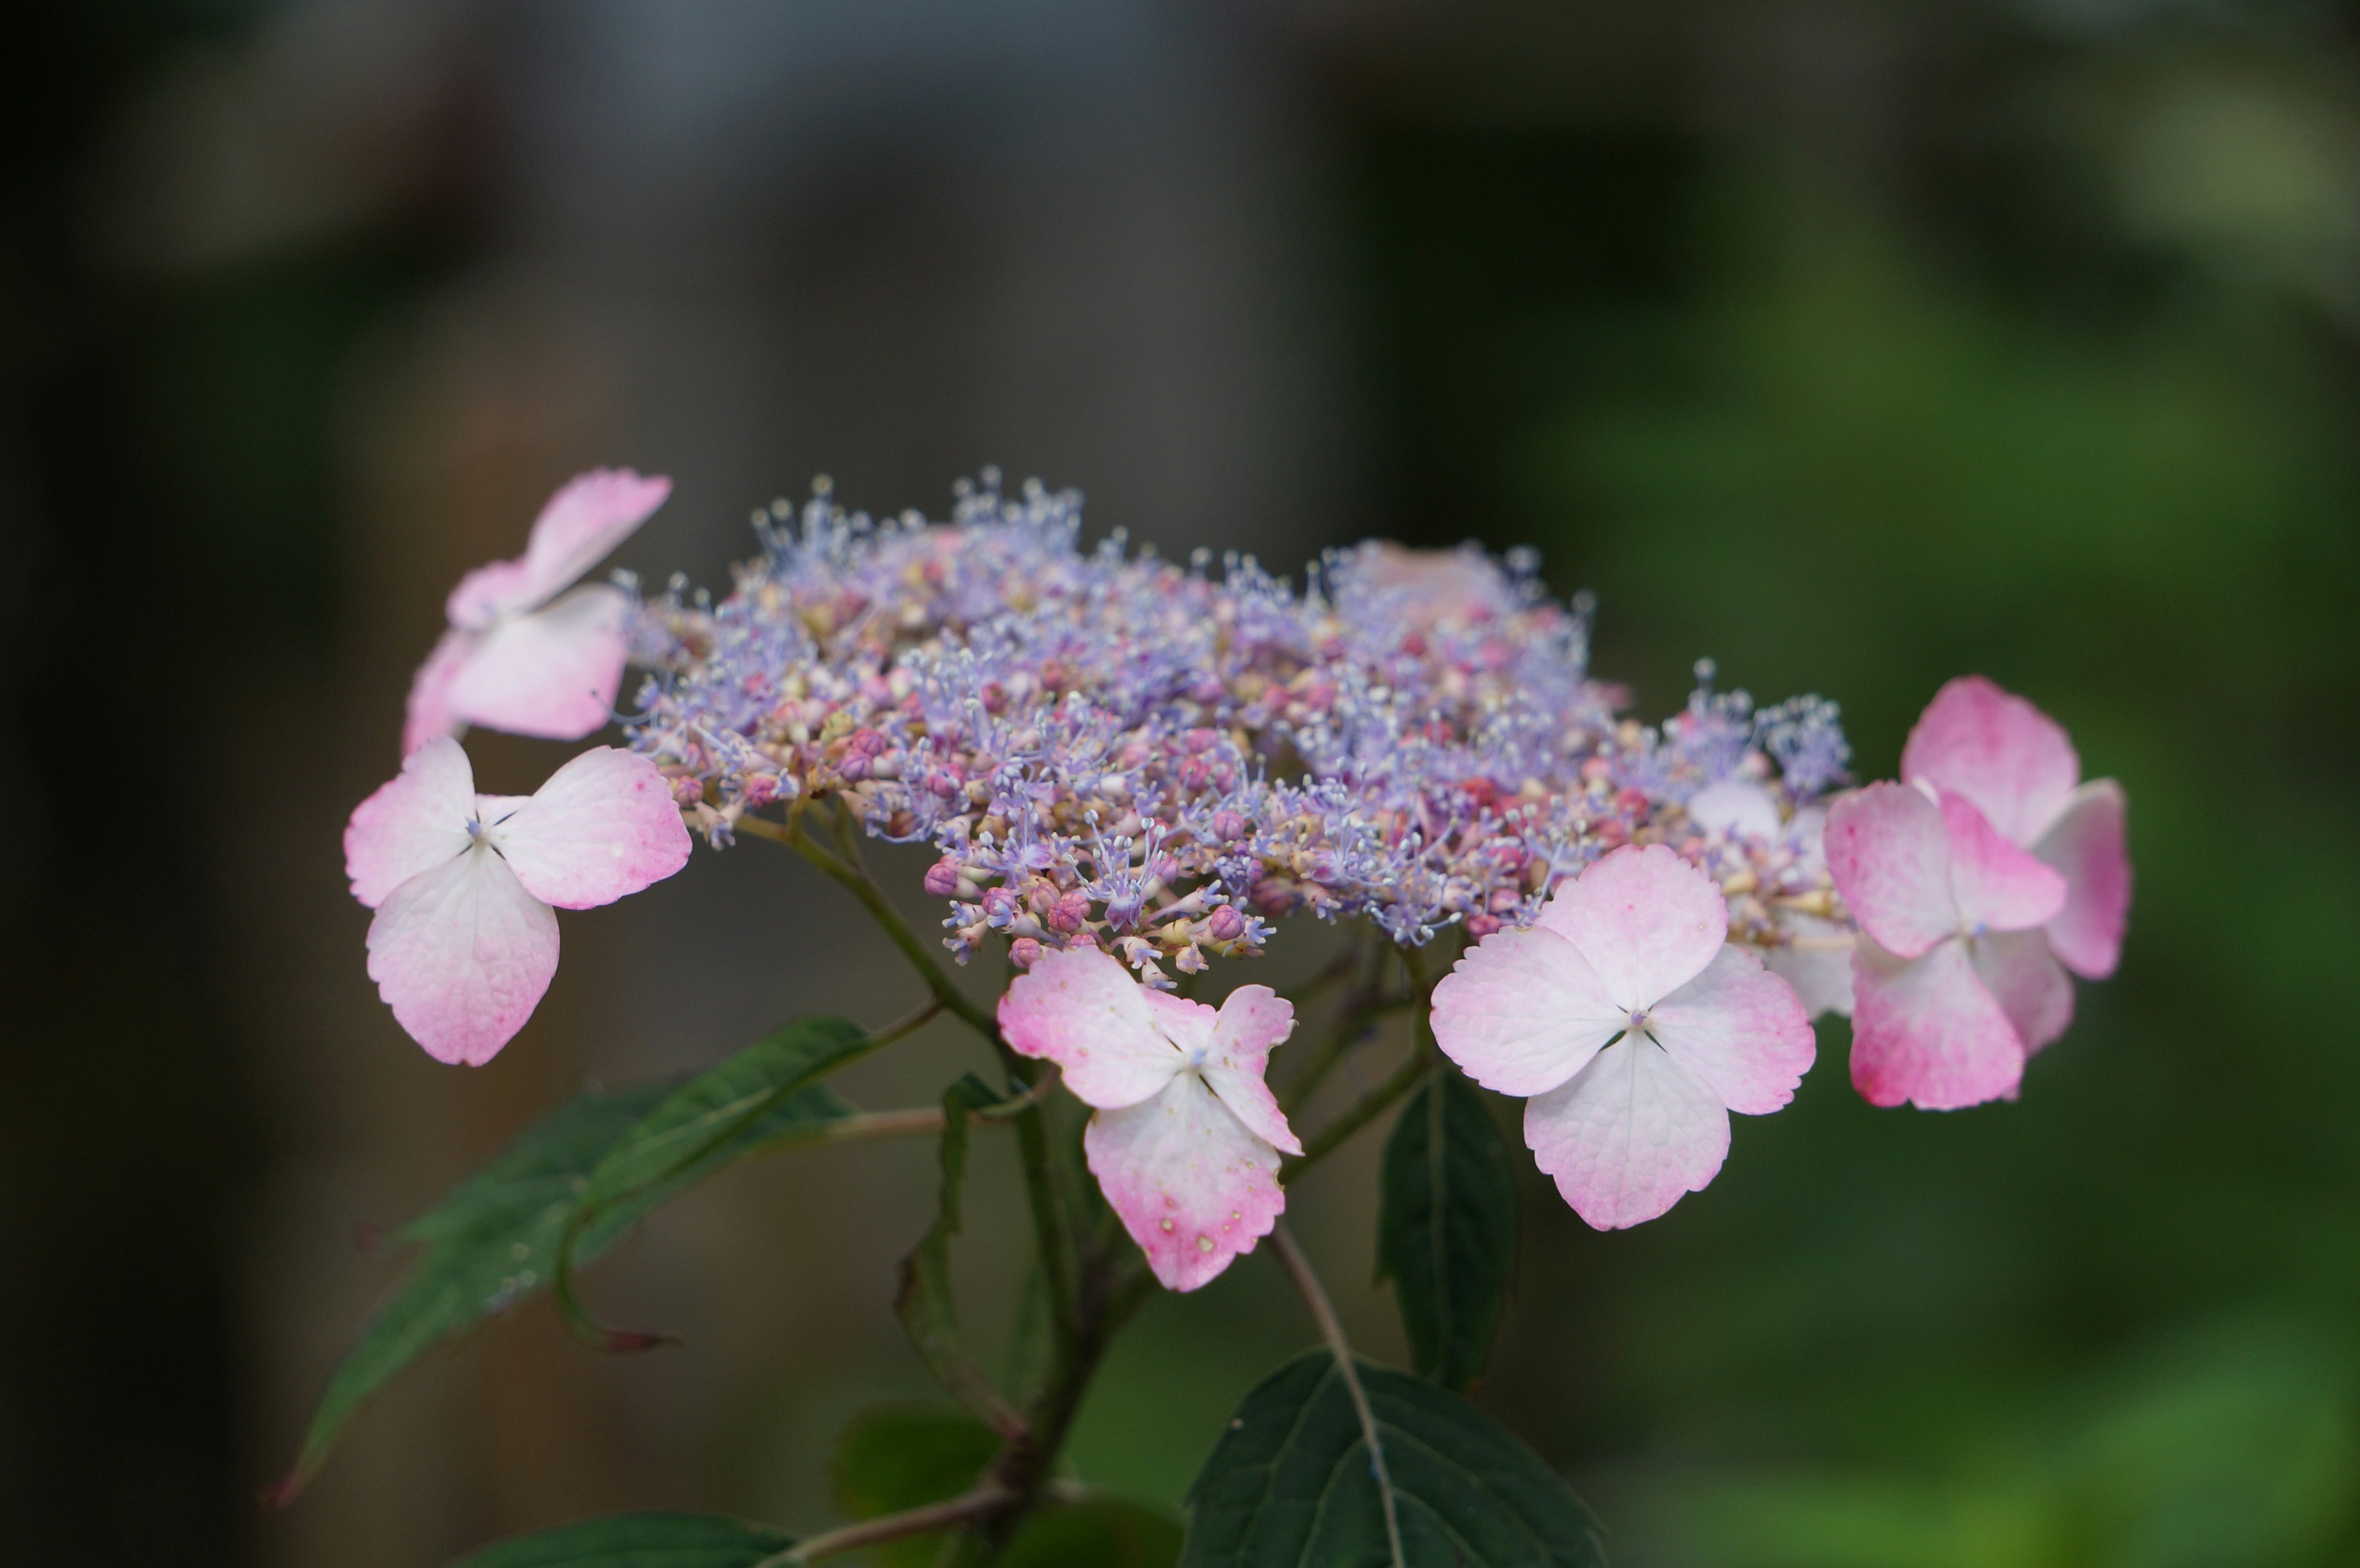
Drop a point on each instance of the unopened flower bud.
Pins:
(943, 877)
(1024, 953)
(1226, 924)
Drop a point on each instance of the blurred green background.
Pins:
(1854, 345)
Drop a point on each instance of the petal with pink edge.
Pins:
(1929, 1031)
(1631, 1134)
(414, 822)
(1082, 1011)
(1997, 887)
(589, 517)
(1739, 1028)
(1647, 922)
(604, 826)
(1999, 751)
(1890, 857)
(1193, 1187)
(1251, 1020)
(553, 674)
(1736, 810)
(1523, 1011)
(463, 954)
(2088, 846)
(2031, 987)
(426, 711)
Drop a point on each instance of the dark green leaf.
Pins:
(924, 1301)
(679, 1140)
(901, 1457)
(1447, 1227)
(638, 1541)
(496, 1238)
(1289, 1485)
(1102, 1532)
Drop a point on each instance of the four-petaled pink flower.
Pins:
(465, 941)
(1187, 1136)
(1633, 1027)
(1970, 882)
(513, 659)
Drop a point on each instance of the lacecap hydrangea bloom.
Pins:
(1129, 768)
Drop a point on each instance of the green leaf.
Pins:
(766, 1094)
(500, 1235)
(924, 1299)
(900, 1457)
(1289, 1485)
(1447, 1227)
(678, 1143)
(1100, 1532)
(638, 1541)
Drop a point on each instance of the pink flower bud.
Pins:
(998, 904)
(1070, 911)
(1227, 924)
(1200, 740)
(1481, 926)
(688, 792)
(1024, 953)
(867, 743)
(1229, 826)
(943, 877)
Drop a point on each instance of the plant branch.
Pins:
(1340, 1040)
(1331, 1328)
(987, 1499)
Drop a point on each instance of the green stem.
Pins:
(1339, 1044)
(1331, 1328)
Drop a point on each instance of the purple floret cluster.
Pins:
(1160, 760)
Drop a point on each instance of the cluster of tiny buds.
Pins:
(1114, 751)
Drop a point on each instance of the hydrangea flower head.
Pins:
(1633, 1026)
(1186, 1136)
(519, 658)
(2019, 767)
(465, 941)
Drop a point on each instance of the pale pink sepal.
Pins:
(1192, 1184)
(426, 713)
(1929, 1031)
(589, 517)
(2088, 844)
(1082, 1011)
(1646, 921)
(603, 827)
(463, 954)
(1995, 886)
(1889, 851)
(1741, 1030)
(1632, 1134)
(553, 674)
(2030, 987)
(2011, 759)
(1523, 1011)
(414, 822)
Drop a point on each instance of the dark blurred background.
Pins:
(1853, 344)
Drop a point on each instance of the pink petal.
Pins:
(1999, 751)
(1251, 1020)
(587, 517)
(1890, 857)
(1819, 971)
(1997, 887)
(428, 710)
(1928, 1030)
(554, 673)
(2023, 977)
(463, 954)
(605, 825)
(1740, 1028)
(1523, 1011)
(1632, 1133)
(413, 824)
(2087, 844)
(1193, 1185)
(1081, 1009)
(1647, 922)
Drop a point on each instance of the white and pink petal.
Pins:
(1632, 1134)
(1523, 1011)
(463, 954)
(1996, 886)
(553, 674)
(2088, 846)
(1645, 919)
(1741, 1029)
(1928, 1031)
(2023, 977)
(604, 826)
(2011, 759)
(1081, 1009)
(1193, 1186)
(1889, 852)
(427, 710)
(414, 822)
